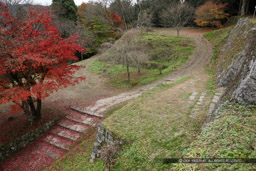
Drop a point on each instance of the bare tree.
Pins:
(243, 7)
(126, 10)
(177, 15)
(128, 52)
(16, 2)
(144, 20)
(17, 7)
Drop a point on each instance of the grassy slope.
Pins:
(169, 51)
(136, 156)
(217, 38)
(231, 135)
(152, 129)
(78, 159)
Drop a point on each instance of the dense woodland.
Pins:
(97, 22)
(104, 20)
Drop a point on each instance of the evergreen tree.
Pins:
(65, 9)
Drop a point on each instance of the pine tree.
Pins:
(65, 9)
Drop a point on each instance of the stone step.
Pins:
(80, 118)
(201, 98)
(193, 96)
(58, 141)
(86, 112)
(66, 133)
(215, 99)
(50, 150)
(74, 126)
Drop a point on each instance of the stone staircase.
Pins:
(54, 143)
(215, 103)
(201, 103)
(199, 100)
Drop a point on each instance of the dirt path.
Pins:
(86, 92)
(95, 96)
(167, 119)
(194, 67)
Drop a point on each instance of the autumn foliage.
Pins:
(211, 14)
(81, 10)
(33, 59)
(116, 18)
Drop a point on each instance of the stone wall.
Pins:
(19, 143)
(103, 137)
(237, 63)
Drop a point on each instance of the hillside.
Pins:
(169, 121)
(173, 117)
(231, 134)
(128, 85)
(162, 121)
(150, 136)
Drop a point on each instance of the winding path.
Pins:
(197, 62)
(66, 133)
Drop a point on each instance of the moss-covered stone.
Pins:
(235, 63)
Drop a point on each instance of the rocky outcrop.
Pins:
(237, 64)
(246, 91)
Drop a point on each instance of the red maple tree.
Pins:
(33, 59)
(116, 19)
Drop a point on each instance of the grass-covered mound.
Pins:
(162, 54)
(218, 39)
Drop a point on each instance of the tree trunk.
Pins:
(38, 109)
(243, 8)
(247, 7)
(178, 31)
(128, 72)
(82, 56)
(240, 7)
(138, 69)
(26, 108)
(34, 113)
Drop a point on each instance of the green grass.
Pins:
(232, 135)
(167, 51)
(217, 38)
(152, 130)
(211, 84)
(133, 156)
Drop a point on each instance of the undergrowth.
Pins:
(231, 135)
